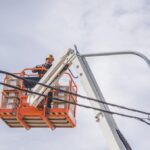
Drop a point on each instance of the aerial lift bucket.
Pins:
(17, 113)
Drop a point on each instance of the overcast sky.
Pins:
(31, 29)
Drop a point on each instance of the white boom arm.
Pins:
(51, 76)
(114, 137)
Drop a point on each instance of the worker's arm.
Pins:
(44, 67)
(36, 68)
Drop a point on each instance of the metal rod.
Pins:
(145, 58)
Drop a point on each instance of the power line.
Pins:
(78, 95)
(80, 105)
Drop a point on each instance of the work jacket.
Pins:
(40, 71)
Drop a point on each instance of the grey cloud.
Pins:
(29, 30)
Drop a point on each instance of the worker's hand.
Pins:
(34, 70)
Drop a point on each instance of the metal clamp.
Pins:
(97, 117)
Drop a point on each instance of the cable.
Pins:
(80, 105)
(78, 95)
(76, 49)
(76, 77)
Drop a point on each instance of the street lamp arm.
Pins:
(145, 58)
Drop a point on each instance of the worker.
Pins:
(42, 69)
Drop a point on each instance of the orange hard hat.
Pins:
(50, 57)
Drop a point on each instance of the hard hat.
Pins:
(50, 57)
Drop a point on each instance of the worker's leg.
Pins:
(50, 98)
(29, 84)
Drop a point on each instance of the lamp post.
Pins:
(145, 58)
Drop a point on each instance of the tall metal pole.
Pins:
(116, 140)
